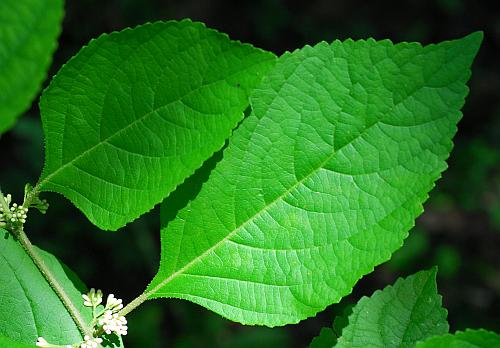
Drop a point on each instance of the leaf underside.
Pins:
(28, 35)
(29, 308)
(321, 183)
(398, 316)
(136, 112)
(466, 339)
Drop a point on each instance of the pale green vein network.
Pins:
(28, 37)
(136, 112)
(321, 183)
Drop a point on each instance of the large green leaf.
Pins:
(398, 316)
(321, 182)
(29, 308)
(466, 339)
(136, 112)
(28, 34)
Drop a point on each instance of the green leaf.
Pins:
(28, 37)
(136, 112)
(7, 342)
(29, 308)
(321, 183)
(328, 336)
(398, 316)
(466, 339)
(326, 339)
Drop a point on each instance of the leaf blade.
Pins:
(136, 112)
(30, 308)
(28, 37)
(7, 342)
(321, 183)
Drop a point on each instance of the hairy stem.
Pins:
(54, 284)
(135, 303)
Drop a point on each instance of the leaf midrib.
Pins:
(47, 179)
(252, 218)
(279, 198)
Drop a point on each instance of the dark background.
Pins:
(459, 231)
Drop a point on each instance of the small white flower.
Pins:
(113, 303)
(91, 342)
(86, 301)
(41, 342)
(93, 298)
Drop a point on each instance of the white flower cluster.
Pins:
(12, 215)
(113, 322)
(113, 303)
(91, 342)
(106, 320)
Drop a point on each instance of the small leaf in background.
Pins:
(328, 335)
(466, 339)
(398, 316)
(321, 183)
(28, 37)
(135, 113)
(326, 339)
(29, 308)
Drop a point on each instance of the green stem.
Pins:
(135, 303)
(54, 284)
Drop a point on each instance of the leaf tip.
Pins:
(471, 43)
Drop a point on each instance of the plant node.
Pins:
(31, 199)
